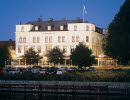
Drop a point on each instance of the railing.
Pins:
(66, 87)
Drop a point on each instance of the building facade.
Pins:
(42, 36)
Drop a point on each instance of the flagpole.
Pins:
(83, 14)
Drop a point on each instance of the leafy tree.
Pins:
(82, 56)
(31, 56)
(55, 55)
(118, 39)
(5, 53)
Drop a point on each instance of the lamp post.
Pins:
(99, 67)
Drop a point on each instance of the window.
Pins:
(48, 48)
(77, 38)
(20, 40)
(73, 38)
(33, 48)
(87, 28)
(75, 28)
(49, 27)
(36, 28)
(50, 39)
(46, 39)
(22, 29)
(87, 39)
(61, 27)
(59, 39)
(34, 39)
(25, 49)
(24, 40)
(65, 49)
(38, 40)
(19, 49)
(72, 49)
(39, 49)
(63, 38)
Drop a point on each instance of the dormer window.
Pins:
(49, 27)
(36, 28)
(61, 27)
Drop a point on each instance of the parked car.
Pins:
(52, 70)
(72, 69)
(14, 71)
(61, 71)
(91, 69)
(35, 71)
(36, 67)
(44, 70)
(26, 72)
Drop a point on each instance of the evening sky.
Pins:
(13, 12)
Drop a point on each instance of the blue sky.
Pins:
(12, 12)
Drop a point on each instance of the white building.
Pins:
(66, 34)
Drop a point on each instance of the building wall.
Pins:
(80, 30)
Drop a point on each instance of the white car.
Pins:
(60, 71)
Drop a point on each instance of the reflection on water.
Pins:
(43, 96)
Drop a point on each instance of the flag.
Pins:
(84, 9)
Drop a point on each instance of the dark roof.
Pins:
(42, 25)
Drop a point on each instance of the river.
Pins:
(43, 96)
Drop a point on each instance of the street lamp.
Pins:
(99, 66)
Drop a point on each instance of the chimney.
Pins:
(50, 20)
(78, 18)
(63, 19)
(39, 20)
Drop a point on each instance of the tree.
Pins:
(118, 39)
(31, 56)
(5, 53)
(55, 55)
(82, 56)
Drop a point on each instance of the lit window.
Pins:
(50, 39)
(59, 39)
(77, 38)
(75, 28)
(24, 40)
(38, 40)
(39, 49)
(33, 48)
(25, 49)
(71, 49)
(19, 49)
(63, 38)
(87, 39)
(73, 38)
(20, 40)
(87, 28)
(46, 39)
(48, 48)
(34, 39)
(65, 49)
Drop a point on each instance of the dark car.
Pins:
(72, 69)
(91, 69)
(52, 70)
(44, 70)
